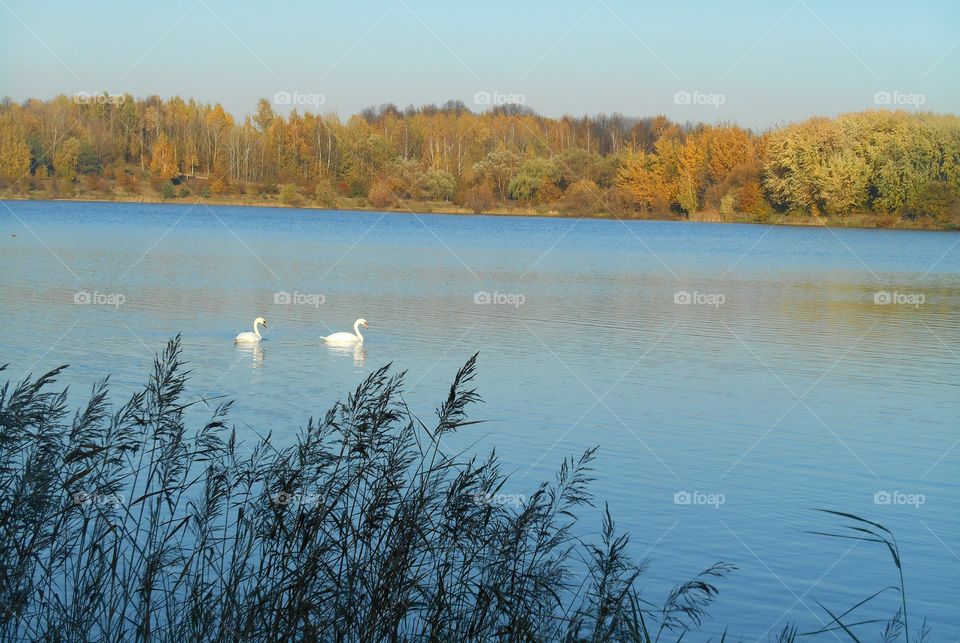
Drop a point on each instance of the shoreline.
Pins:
(450, 209)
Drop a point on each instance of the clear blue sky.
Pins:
(772, 61)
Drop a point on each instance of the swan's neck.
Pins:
(356, 329)
(256, 329)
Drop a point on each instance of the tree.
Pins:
(89, 161)
(641, 178)
(65, 159)
(264, 117)
(498, 168)
(532, 177)
(290, 195)
(163, 158)
(324, 194)
(14, 151)
(937, 200)
(691, 174)
(844, 181)
(438, 185)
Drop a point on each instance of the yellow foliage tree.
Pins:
(65, 159)
(163, 158)
(14, 152)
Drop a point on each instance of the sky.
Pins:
(758, 64)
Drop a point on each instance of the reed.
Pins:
(126, 524)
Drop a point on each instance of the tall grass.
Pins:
(123, 523)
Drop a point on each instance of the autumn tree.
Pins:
(65, 159)
(14, 151)
(497, 167)
(163, 158)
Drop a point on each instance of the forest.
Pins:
(874, 168)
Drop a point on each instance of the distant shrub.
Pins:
(324, 194)
(184, 192)
(290, 194)
(167, 191)
(582, 197)
(380, 195)
(219, 185)
(728, 204)
(480, 198)
(269, 188)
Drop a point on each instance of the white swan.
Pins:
(247, 337)
(349, 338)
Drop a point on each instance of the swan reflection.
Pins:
(255, 351)
(357, 350)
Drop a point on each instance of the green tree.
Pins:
(531, 178)
(438, 185)
(498, 167)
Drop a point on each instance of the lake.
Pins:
(735, 377)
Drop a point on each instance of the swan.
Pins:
(247, 337)
(349, 338)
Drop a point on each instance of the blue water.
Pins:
(788, 388)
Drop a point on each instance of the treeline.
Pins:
(899, 164)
